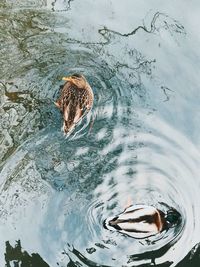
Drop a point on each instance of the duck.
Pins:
(75, 101)
(142, 221)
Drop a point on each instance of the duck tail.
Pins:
(68, 126)
(111, 223)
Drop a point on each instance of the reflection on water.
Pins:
(19, 257)
(140, 141)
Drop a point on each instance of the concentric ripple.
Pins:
(154, 168)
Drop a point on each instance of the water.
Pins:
(141, 140)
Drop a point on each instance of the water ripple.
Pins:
(151, 174)
(66, 187)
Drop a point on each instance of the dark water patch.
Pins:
(20, 257)
(17, 255)
(192, 258)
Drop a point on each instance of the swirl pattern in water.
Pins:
(140, 141)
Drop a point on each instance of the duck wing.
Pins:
(74, 103)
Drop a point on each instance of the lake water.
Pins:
(141, 140)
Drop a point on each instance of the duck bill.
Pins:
(68, 79)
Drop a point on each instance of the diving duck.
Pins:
(75, 101)
(142, 221)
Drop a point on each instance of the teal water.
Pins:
(141, 140)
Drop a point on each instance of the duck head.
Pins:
(76, 79)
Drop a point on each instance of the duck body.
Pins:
(75, 101)
(140, 221)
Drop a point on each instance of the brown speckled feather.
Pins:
(75, 101)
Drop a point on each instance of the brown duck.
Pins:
(75, 101)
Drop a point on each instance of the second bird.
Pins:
(75, 101)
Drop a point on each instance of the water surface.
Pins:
(141, 139)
